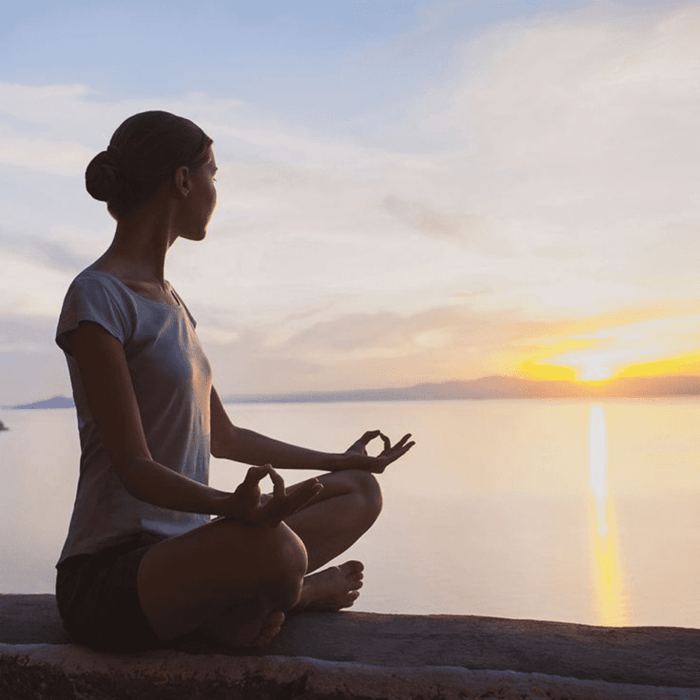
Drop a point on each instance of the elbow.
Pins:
(131, 474)
(217, 450)
(221, 445)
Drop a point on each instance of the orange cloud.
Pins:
(681, 365)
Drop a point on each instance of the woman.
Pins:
(144, 563)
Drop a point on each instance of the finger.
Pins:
(299, 500)
(403, 449)
(395, 454)
(291, 490)
(277, 484)
(403, 440)
(368, 437)
(301, 494)
(273, 508)
(306, 491)
(387, 443)
(256, 474)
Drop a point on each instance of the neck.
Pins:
(140, 245)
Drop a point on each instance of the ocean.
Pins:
(568, 510)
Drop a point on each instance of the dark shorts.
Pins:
(98, 600)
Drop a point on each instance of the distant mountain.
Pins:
(55, 402)
(499, 387)
(495, 387)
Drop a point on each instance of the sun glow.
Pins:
(593, 364)
(596, 367)
(594, 373)
(644, 348)
(535, 370)
(684, 364)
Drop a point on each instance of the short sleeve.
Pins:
(90, 299)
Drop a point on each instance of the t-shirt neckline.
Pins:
(176, 305)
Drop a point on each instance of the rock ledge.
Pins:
(358, 655)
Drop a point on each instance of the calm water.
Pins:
(558, 510)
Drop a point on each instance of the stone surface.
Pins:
(68, 672)
(358, 655)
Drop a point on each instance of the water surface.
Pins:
(560, 510)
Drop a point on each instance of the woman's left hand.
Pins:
(356, 457)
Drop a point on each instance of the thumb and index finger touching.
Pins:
(403, 445)
(280, 502)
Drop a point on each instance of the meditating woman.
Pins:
(144, 562)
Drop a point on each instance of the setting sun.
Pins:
(636, 348)
(594, 374)
(581, 373)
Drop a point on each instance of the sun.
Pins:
(583, 369)
(593, 373)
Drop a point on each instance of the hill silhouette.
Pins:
(494, 387)
(500, 387)
(55, 402)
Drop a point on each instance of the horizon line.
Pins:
(374, 394)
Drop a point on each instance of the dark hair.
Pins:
(143, 153)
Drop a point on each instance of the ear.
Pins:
(182, 181)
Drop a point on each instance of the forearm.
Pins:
(154, 483)
(249, 447)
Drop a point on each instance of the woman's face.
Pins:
(201, 201)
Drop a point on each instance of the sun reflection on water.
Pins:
(607, 571)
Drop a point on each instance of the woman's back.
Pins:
(172, 382)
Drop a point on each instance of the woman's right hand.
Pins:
(250, 506)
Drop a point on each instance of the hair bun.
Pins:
(104, 179)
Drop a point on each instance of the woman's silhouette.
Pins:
(143, 562)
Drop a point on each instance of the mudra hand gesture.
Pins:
(250, 506)
(356, 456)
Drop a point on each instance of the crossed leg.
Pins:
(346, 508)
(223, 572)
(236, 581)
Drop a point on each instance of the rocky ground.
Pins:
(358, 655)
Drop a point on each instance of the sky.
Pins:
(408, 191)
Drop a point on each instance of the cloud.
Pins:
(31, 365)
(582, 114)
(374, 349)
(546, 171)
(56, 255)
(43, 154)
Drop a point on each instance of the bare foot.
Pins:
(271, 627)
(331, 589)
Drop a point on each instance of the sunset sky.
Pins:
(408, 191)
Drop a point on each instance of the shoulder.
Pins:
(101, 298)
(96, 288)
(93, 279)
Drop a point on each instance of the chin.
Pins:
(192, 236)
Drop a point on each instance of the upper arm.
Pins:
(110, 393)
(222, 429)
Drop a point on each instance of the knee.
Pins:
(288, 563)
(368, 491)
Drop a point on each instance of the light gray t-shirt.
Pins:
(172, 382)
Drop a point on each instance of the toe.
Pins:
(352, 567)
